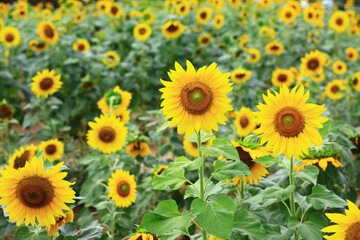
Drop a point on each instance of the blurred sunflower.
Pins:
(123, 116)
(112, 59)
(282, 76)
(142, 31)
(274, 48)
(352, 54)
(255, 55)
(309, 14)
(35, 45)
(122, 187)
(107, 134)
(294, 71)
(47, 32)
(46, 83)
(288, 123)
(21, 156)
(52, 149)
(205, 39)
(6, 111)
(313, 63)
(81, 45)
(148, 16)
(183, 8)
(172, 29)
(339, 67)
(354, 81)
(203, 15)
(192, 149)
(34, 193)
(339, 21)
(240, 75)
(218, 20)
(287, 14)
(196, 99)
(267, 32)
(318, 77)
(244, 122)
(103, 6)
(114, 10)
(334, 89)
(138, 147)
(160, 169)
(60, 220)
(121, 100)
(10, 36)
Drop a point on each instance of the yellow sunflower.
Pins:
(148, 16)
(47, 32)
(352, 54)
(240, 75)
(52, 149)
(267, 32)
(244, 39)
(6, 111)
(294, 71)
(172, 29)
(46, 83)
(218, 20)
(144, 236)
(288, 123)
(107, 134)
(191, 148)
(282, 76)
(313, 63)
(103, 6)
(212, 237)
(205, 39)
(122, 187)
(309, 14)
(354, 81)
(196, 99)
(35, 45)
(142, 31)
(160, 169)
(255, 55)
(112, 59)
(339, 67)
(183, 8)
(334, 89)
(121, 101)
(244, 122)
(10, 36)
(339, 21)
(274, 48)
(123, 116)
(60, 220)
(21, 156)
(114, 10)
(203, 15)
(287, 14)
(318, 77)
(81, 45)
(138, 148)
(348, 225)
(34, 193)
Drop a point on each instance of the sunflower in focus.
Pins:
(313, 63)
(35, 45)
(81, 45)
(6, 111)
(334, 89)
(218, 20)
(244, 122)
(22, 156)
(107, 134)
(287, 14)
(240, 75)
(114, 10)
(192, 149)
(339, 21)
(255, 55)
(196, 99)
(32, 193)
(172, 29)
(203, 15)
(52, 149)
(183, 8)
(138, 147)
(348, 225)
(120, 100)
(205, 39)
(46, 83)
(274, 48)
(122, 188)
(288, 123)
(10, 36)
(282, 76)
(47, 32)
(160, 169)
(339, 67)
(352, 54)
(354, 81)
(112, 59)
(142, 31)
(60, 220)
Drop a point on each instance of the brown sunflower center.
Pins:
(339, 67)
(196, 98)
(274, 47)
(289, 122)
(355, 82)
(205, 40)
(172, 28)
(137, 145)
(313, 64)
(253, 56)
(102, 7)
(50, 149)
(81, 47)
(350, 55)
(182, 9)
(335, 89)
(160, 171)
(9, 37)
(114, 10)
(40, 45)
(240, 75)
(245, 157)
(35, 192)
(48, 31)
(123, 188)
(5, 111)
(194, 144)
(339, 21)
(142, 31)
(21, 160)
(46, 83)
(203, 15)
(282, 78)
(87, 85)
(288, 15)
(244, 121)
(310, 15)
(353, 232)
(107, 134)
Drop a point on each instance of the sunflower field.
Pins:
(180, 120)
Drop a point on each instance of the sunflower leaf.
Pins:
(267, 160)
(310, 228)
(247, 225)
(173, 180)
(163, 126)
(227, 151)
(321, 197)
(229, 169)
(183, 162)
(309, 173)
(274, 193)
(204, 137)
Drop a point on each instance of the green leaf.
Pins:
(163, 126)
(23, 233)
(211, 189)
(203, 135)
(309, 172)
(230, 169)
(173, 180)
(311, 228)
(182, 162)
(30, 119)
(39, 155)
(321, 197)
(227, 151)
(270, 195)
(217, 218)
(266, 160)
(247, 225)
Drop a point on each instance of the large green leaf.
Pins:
(247, 225)
(311, 228)
(211, 189)
(173, 180)
(321, 197)
(309, 173)
(182, 162)
(221, 147)
(23, 233)
(230, 169)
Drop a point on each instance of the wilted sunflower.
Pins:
(205, 39)
(114, 10)
(6, 111)
(196, 99)
(348, 225)
(46, 83)
(47, 32)
(203, 15)
(255, 55)
(142, 31)
(282, 76)
(52, 149)
(81, 45)
(144, 236)
(60, 220)
(183, 8)
(121, 101)
(192, 149)
(339, 67)
(334, 89)
(274, 48)
(240, 75)
(339, 21)
(34, 193)
(122, 187)
(355, 81)
(112, 59)
(160, 169)
(352, 54)
(172, 29)
(244, 122)
(107, 134)
(313, 63)
(35, 45)
(21, 156)
(138, 147)
(288, 123)
(218, 20)
(10, 36)
(287, 14)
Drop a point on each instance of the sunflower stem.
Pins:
(112, 98)
(292, 197)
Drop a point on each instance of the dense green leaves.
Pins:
(310, 229)
(271, 195)
(321, 197)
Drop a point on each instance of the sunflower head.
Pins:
(355, 81)
(10, 36)
(254, 55)
(205, 39)
(244, 122)
(142, 31)
(114, 10)
(81, 45)
(6, 111)
(267, 32)
(218, 20)
(46, 83)
(60, 220)
(204, 15)
(160, 169)
(138, 146)
(35, 45)
(335, 89)
(274, 48)
(339, 21)
(287, 14)
(282, 76)
(120, 100)
(143, 235)
(122, 188)
(339, 67)
(352, 54)
(52, 149)
(112, 59)
(172, 29)
(22, 156)
(192, 149)
(313, 63)
(47, 32)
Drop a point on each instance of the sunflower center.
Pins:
(81, 47)
(50, 149)
(282, 78)
(49, 32)
(245, 157)
(196, 97)
(172, 28)
(288, 14)
(137, 145)
(194, 144)
(241, 75)
(107, 134)
(339, 21)
(203, 15)
(244, 121)
(353, 232)
(355, 82)
(46, 83)
(350, 55)
(313, 64)
(113, 96)
(289, 122)
(21, 160)
(335, 89)
(310, 15)
(123, 188)
(142, 31)
(9, 37)
(5, 111)
(35, 192)
(114, 10)
(274, 47)
(253, 56)
(160, 172)
(40, 45)
(205, 40)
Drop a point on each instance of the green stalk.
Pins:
(292, 197)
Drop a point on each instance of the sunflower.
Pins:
(122, 187)
(288, 123)
(160, 169)
(218, 20)
(244, 39)
(244, 122)
(172, 29)
(121, 101)
(234, 3)
(287, 14)
(191, 148)
(46, 83)
(334, 89)
(339, 67)
(6, 111)
(196, 99)
(240, 75)
(183, 8)
(138, 148)
(10, 36)
(144, 236)
(112, 59)
(103, 6)
(274, 48)
(348, 225)
(318, 77)
(32, 192)
(81, 45)
(339, 21)
(114, 10)
(47, 32)
(313, 63)
(148, 16)
(123, 116)
(60, 220)
(21, 156)
(267, 32)
(354, 81)
(142, 31)
(309, 14)
(351, 54)
(255, 55)
(53, 149)
(205, 39)
(35, 45)
(282, 76)
(107, 134)
(20, 13)
(294, 71)
(203, 15)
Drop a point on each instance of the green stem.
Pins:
(292, 197)
(112, 98)
(113, 221)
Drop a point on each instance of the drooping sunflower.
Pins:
(121, 101)
(81, 45)
(191, 148)
(6, 111)
(267, 32)
(160, 169)
(196, 99)
(142, 31)
(348, 225)
(274, 48)
(112, 59)
(218, 20)
(339, 21)
(352, 54)
(35, 45)
(172, 29)
(205, 39)
(21, 156)
(240, 75)
(334, 89)
(203, 15)
(123, 116)
(34, 193)
(183, 8)
(138, 147)
(144, 236)
(244, 122)
(282, 76)
(10, 36)
(309, 14)
(354, 82)
(47, 32)
(288, 123)
(339, 67)
(122, 187)
(60, 220)
(107, 134)
(114, 10)
(313, 63)
(287, 14)
(255, 55)
(46, 83)
(53, 149)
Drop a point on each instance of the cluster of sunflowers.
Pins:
(263, 151)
